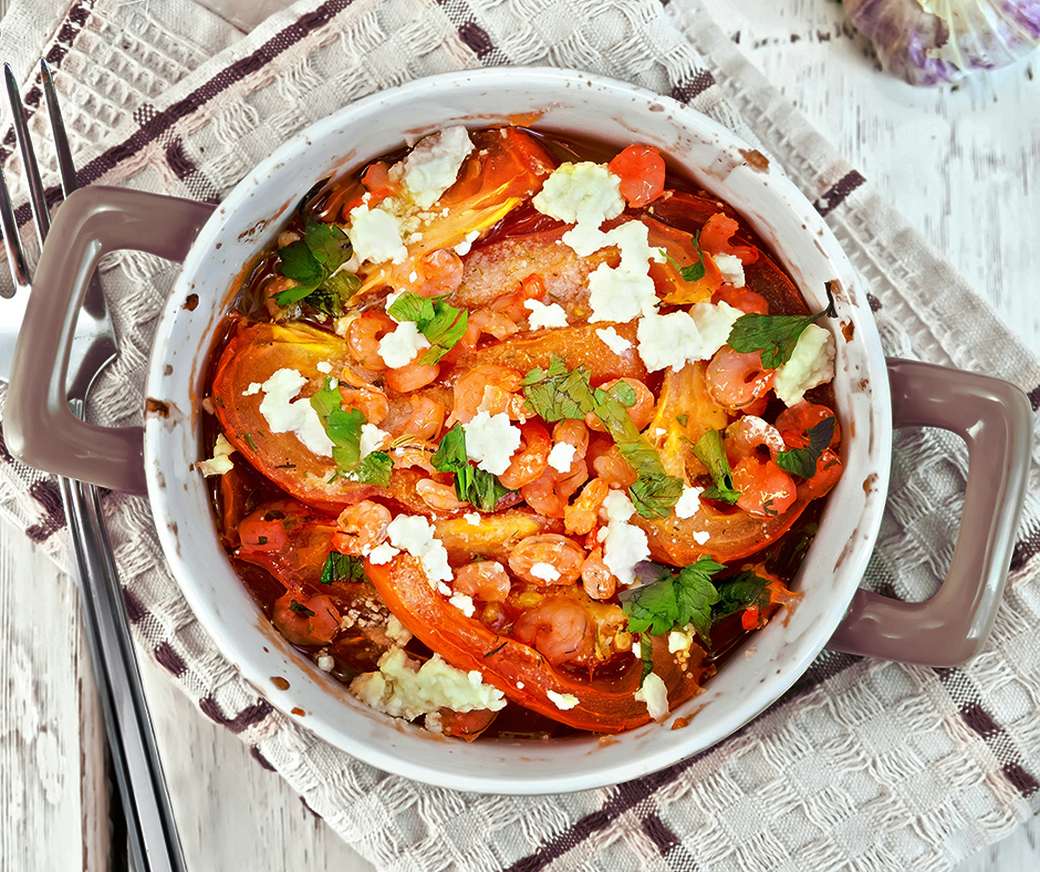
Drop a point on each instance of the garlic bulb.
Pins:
(932, 42)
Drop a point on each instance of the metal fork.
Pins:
(151, 830)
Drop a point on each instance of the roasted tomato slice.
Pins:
(255, 351)
(603, 703)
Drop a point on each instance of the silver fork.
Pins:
(151, 830)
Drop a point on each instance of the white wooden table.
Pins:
(963, 166)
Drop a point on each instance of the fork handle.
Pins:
(39, 428)
(151, 828)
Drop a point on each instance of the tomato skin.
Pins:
(641, 171)
(605, 705)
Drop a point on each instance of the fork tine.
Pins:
(12, 241)
(41, 216)
(66, 167)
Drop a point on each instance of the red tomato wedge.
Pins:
(604, 704)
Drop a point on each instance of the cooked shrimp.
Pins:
(425, 421)
(749, 433)
(737, 380)
(547, 559)
(482, 321)
(581, 517)
(486, 580)
(439, 496)
(413, 456)
(795, 422)
(363, 337)
(599, 582)
(765, 489)
(360, 528)
(366, 398)
(412, 376)
(542, 495)
(609, 465)
(573, 432)
(531, 288)
(744, 299)
(531, 459)
(470, 389)
(558, 628)
(641, 413)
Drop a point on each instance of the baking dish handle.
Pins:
(995, 420)
(39, 428)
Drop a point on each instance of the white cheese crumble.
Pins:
(375, 235)
(583, 193)
(462, 248)
(400, 347)
(285, 414)
(700, 536)
(491, 440)
(682, 337)
(624, 545)
(464, 604)
(221, 461)
(472, 518)
(562, 701)
(613, 340)
(403, 689)
(383, 553)
(543, 315)
(397, 631)
(655, 694)
(546, 572)
(731, 267)
(433, 165)
(325, 663)
(372, 439)
(324, 366)
(561, 457)
(811, 364)
(414, 534)
(679, 640)
(689, 502)
(627, 291)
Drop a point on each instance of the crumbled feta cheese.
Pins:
(221, 461)
(546, 572)
(491, 440)
(580, 193)
(811, 364)
(372, 439)
(375, 235)
(472, 518)
(325, 662)
(627, 291)
(561, 457)
(637, 649)
(462, 249)
(383, 553)
(562, 701)
(404, 689)
(397, 632)
(624, 544)
(400, 347)
(285, 414)
(464, 604)
(414, 534)
(323, 366)
(731, 267)
(689, 502)
(655, 694)
(433, 165)
(700, 536)
(679, 338)
(615, 342)
(679, 641)
(254, 388)
(542, 315)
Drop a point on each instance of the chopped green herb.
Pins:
(472, 484)
(675, 601)
(774, 335)
(249, 440)
(314, 263)
(343, 567)
(694, 271)
(646, 655)
(802, 461)
(710, 451)
(442, 324)
(741, 592)
(683, 420)
(558, 393)
(300, 609)
(342, 426)
(374, 468)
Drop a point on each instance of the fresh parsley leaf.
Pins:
(343, 567)
(472, 484)
(343, 427)
(655, 494)
(802, 461)
(646, 655)
(744, 591)
(558, 393)
(442, 324)
(314, 262)
(374, 468)
(694, 271)
(710, 451)
(300, 609)
(675, 601)
(774, 335)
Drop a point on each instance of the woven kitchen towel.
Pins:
(865, 765)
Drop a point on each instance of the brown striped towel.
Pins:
(864, 765)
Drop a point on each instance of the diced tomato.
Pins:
(641, 171)
(715, 238)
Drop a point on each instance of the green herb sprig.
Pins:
(774, 335)
(710, 451)
(343, 427)
(675, 600)
(802, 461)
(472, 484)
(314, 263)
(442, 324)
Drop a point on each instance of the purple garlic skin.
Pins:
(949, 39)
